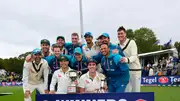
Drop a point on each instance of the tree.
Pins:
(23, 56)
(177, 45)
(130, 33)
(145, 39)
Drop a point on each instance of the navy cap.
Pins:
(60, 37)
(45, 41)
(92, 60)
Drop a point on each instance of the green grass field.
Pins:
(161, 93)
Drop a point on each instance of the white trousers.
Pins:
(134, 84)
(39, 87)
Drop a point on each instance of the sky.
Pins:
(23, 23)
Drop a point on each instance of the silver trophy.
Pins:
(73, 75)
(102, 86)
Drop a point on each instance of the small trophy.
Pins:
(72, 88)
(102, 86)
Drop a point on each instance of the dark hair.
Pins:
(104, 44)
(74, 34)
(121, 28)
(56, 46)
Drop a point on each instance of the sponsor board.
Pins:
(161, 81)
(146, 96)
(11, 83)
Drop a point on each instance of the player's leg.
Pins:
(136, 82)
(27, 97)
(129, 85)
(40, 88)
(111, 87)
(121, 88)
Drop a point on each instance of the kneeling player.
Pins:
(91, 81)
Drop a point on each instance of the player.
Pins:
(129, 48)
(61, 76)
(91, 81)
(35, 75)
(117, 73)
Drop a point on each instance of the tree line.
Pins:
(145, 39)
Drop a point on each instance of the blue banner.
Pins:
(161, 81)
(149, 96)
(11, 83)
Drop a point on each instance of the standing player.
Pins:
(75, 43)
(129, 48)
(105, 39)
(45, 49)
(91, 49)
(60, 41)
(117, 73)
(78, 61)
(35, 75)
(53, 63)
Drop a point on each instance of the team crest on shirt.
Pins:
(59, 75)
(110, 62)
(85, 63)
(86, 81)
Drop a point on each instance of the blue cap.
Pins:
(36, 51)
(77, 50)
(103, 35)
(88, 34)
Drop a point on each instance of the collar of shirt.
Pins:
(69, 69)
(39, 62)
(87, 48)
(96, 77)
(124, 44)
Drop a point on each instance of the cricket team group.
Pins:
(48, 69)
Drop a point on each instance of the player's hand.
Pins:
(115, 51)
(27, 94)
(46, 91)
(28, 58)
(123, 59)
(52, 92)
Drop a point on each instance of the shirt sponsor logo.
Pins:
(59, 75)
(86, 81)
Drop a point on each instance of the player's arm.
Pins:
(53, 83)
(25, 76)
(46, 73)
(133, 52)
(122, 66)
(81, 85)
(25, 80)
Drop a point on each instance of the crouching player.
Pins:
(35, 75)
(61, 77)
(91, 81)
(116, 72)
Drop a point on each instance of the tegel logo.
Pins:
(163, 79)
(140, 100)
